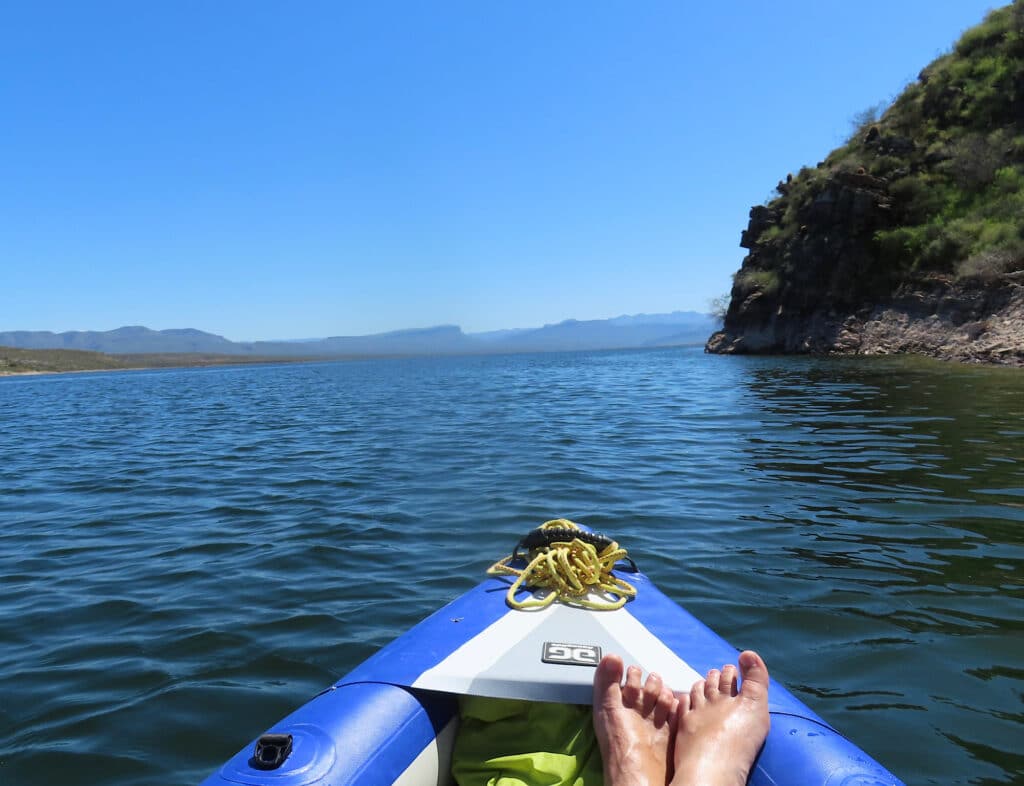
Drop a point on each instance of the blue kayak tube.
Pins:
(392, 720)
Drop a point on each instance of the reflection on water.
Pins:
(910, 481)
(203, 550)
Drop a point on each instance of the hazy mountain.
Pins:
(641, 330)
(693, 318)
(443, 339)
(644, 330)
(499, 335)
(123, 340)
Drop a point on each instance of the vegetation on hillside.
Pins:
(933, 186)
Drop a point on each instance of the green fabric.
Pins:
(502, 742)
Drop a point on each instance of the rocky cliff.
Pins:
(910, 238)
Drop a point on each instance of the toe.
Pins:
(755, 676)
(607, 682)
(631, 692)
(683, 704)
(664, 705)
(652, 690)
(609, 671)
(711, 684)
(727, 685)
(697, 695)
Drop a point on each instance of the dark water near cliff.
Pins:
(185, 556)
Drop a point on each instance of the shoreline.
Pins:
(952, 322)
(186, 360)
(19, 362)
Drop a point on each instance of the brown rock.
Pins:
(922, 319)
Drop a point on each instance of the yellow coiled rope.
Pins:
(571, 569)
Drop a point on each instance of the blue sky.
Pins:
(284, 170)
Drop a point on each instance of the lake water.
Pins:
(186, 556)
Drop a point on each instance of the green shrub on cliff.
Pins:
(934, 185)
(766, 281)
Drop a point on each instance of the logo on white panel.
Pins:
(571, 654)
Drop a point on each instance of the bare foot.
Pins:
(633, 724)
(721, 731)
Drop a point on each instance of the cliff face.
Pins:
(910, 238)
(973, 322)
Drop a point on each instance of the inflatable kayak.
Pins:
(394, 719)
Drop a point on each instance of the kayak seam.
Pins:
(804, 717)
(337, 685)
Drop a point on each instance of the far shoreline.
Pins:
(169, 361)
(16, 362)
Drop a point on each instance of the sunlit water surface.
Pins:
(186, 556)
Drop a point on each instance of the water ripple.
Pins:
(203, 550)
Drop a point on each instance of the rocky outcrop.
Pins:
(973, 322)
(824, 288)
(910, 236)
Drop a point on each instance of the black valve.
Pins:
(271, 751)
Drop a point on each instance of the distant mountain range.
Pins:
(640, 330)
